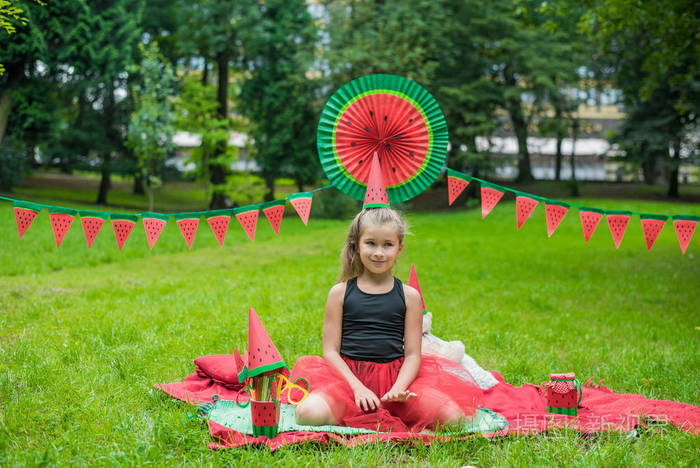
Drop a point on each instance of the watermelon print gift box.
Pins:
(563, 394)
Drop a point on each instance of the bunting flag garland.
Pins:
(302, 203)
(489, 199)
(685, 227)
(188, 223)
(555, 212)
(123, 225)
(651, 227)
(456, 183)
(274, 211)
(218, 222)
(153, 224)
(61, 220)
(617, 222)
(25, 214)
(524, 206)
(92, 222)
(248, 217)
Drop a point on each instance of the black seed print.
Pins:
(410, 154)
(385, 118)
(360, 161)
(367, 129)
(353, 143)
(371, 113)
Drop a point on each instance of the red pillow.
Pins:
(221, 367)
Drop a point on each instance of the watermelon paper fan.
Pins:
(392, 116)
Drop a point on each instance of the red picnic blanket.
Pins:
(524, 408)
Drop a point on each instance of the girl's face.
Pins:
(379, 247)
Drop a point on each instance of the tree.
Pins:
(278, 94)
(653, 53)
(151, 125)
(209, 29)
(198, 113)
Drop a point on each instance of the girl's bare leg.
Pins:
(314, 411)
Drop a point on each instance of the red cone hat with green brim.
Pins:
(413, 282)
(262, 355)
(376, 196)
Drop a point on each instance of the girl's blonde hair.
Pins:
(350, 256)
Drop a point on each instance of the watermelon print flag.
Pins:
(61, 220)
(302, 204)
(273, 211)
(92, 222)
(617, 222)
(456, 183)
(262, 354)
(248, 217)
(555, 212)
(218, 222)
(489, 198)
(188, 222)
(524, 206)
(413, 282)
(153, 225)
(651, 227)
(25, 214)
(122, 226)
(590, 218)
(685, 228)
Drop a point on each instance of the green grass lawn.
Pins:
(84, 334)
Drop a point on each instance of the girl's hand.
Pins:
(398, 396)
(366, 399)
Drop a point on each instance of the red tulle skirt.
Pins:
(441, 387)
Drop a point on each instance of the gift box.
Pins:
(563, 393)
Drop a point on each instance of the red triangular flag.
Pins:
(554, 213)
(413, 282)
(60, 222)
(274, 214)
(523, 209)
(376, 196)
(455, 187)
(489, 198)
(651, 227)
(122, 226)
(153, 225)
(589, 222)
(91, 227)
(219, 225)
(188, 224)
(262, 354)
(248, 217)
(685, 228)
(302, 204)
(617, 223)
(24, 218)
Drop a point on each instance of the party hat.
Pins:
(262, 354)
(376, 196)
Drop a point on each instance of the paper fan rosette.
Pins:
(392, 116)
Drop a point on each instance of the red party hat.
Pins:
(262, 354)
(376, 196)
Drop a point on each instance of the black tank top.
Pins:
(373, 324)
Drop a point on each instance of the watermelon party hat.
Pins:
(376, 196)
(413, 282)
(262, 355)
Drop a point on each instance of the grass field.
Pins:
(84, 334)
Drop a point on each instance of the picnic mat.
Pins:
(511, 410)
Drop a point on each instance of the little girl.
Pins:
(372, 374)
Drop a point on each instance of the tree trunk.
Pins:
(105, 181)
(269, 177)
(515, 110)
(217, 170)
(205, 72)
(560, 137)
(138, 184)
(15, 74)
(673, 173)
(574, 182)
(108, 112)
